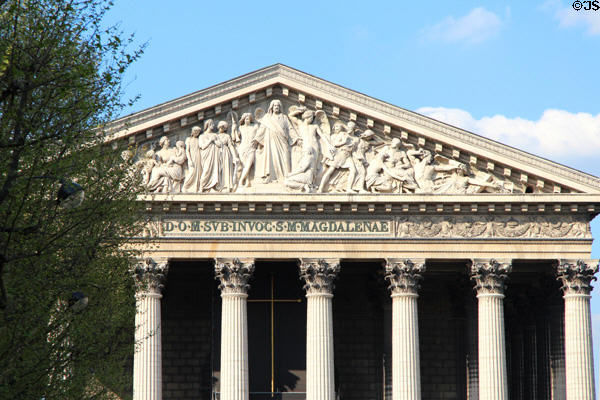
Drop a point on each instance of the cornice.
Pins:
(583, 206)
(483, 198)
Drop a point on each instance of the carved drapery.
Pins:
(233, 274)
(150, 275)
(576, 276)
(404, 275)
(490, 275)
(318, 275)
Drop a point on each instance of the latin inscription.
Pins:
(269, 227)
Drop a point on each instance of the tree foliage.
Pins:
(60, 82)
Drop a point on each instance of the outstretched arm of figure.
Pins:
(479, 182)
(295, 111)
(411, 154)
(446, 168)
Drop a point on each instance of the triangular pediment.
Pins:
(323, 137)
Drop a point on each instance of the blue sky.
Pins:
(525, 73)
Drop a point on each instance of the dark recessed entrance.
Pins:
(277, 332)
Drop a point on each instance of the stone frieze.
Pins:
(486, 226)
(402, 227)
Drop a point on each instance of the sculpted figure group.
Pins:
(300, 151)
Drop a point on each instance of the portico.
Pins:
(494, 349)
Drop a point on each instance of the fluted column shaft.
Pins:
(403, 276)
(576, 277)
(147, 360)
(234, 275)
(489, 277)
(318, 276)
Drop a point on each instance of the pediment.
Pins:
(323, 139)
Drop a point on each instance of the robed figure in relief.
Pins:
(276, 134)
(167, 171)
(210, 146)
(192, 151)
(228, 159)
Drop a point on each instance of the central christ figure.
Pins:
(276, 134)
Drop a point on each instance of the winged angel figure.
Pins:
(314, 138)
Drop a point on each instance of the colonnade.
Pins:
(403, 275)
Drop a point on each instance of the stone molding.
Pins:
(233, 275)
(150, 275)
(576, 276)
(318, 275)
(404, 275)
(490, 275)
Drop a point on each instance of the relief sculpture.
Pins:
(275, 135)
(481, 226)
(303, 150)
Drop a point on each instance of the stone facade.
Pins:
(309, 242)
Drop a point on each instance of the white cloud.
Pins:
(556, 134)
(475, 27)
(569, 17)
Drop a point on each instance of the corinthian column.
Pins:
(149, 276)
(576, 278)
(404, 277)
(234, 275)
(489, 277)
(318, 276)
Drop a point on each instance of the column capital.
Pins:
(576, 276)
(489, 275)
(404, 275)
(149, 275)
(234, 274)
(318, 274)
